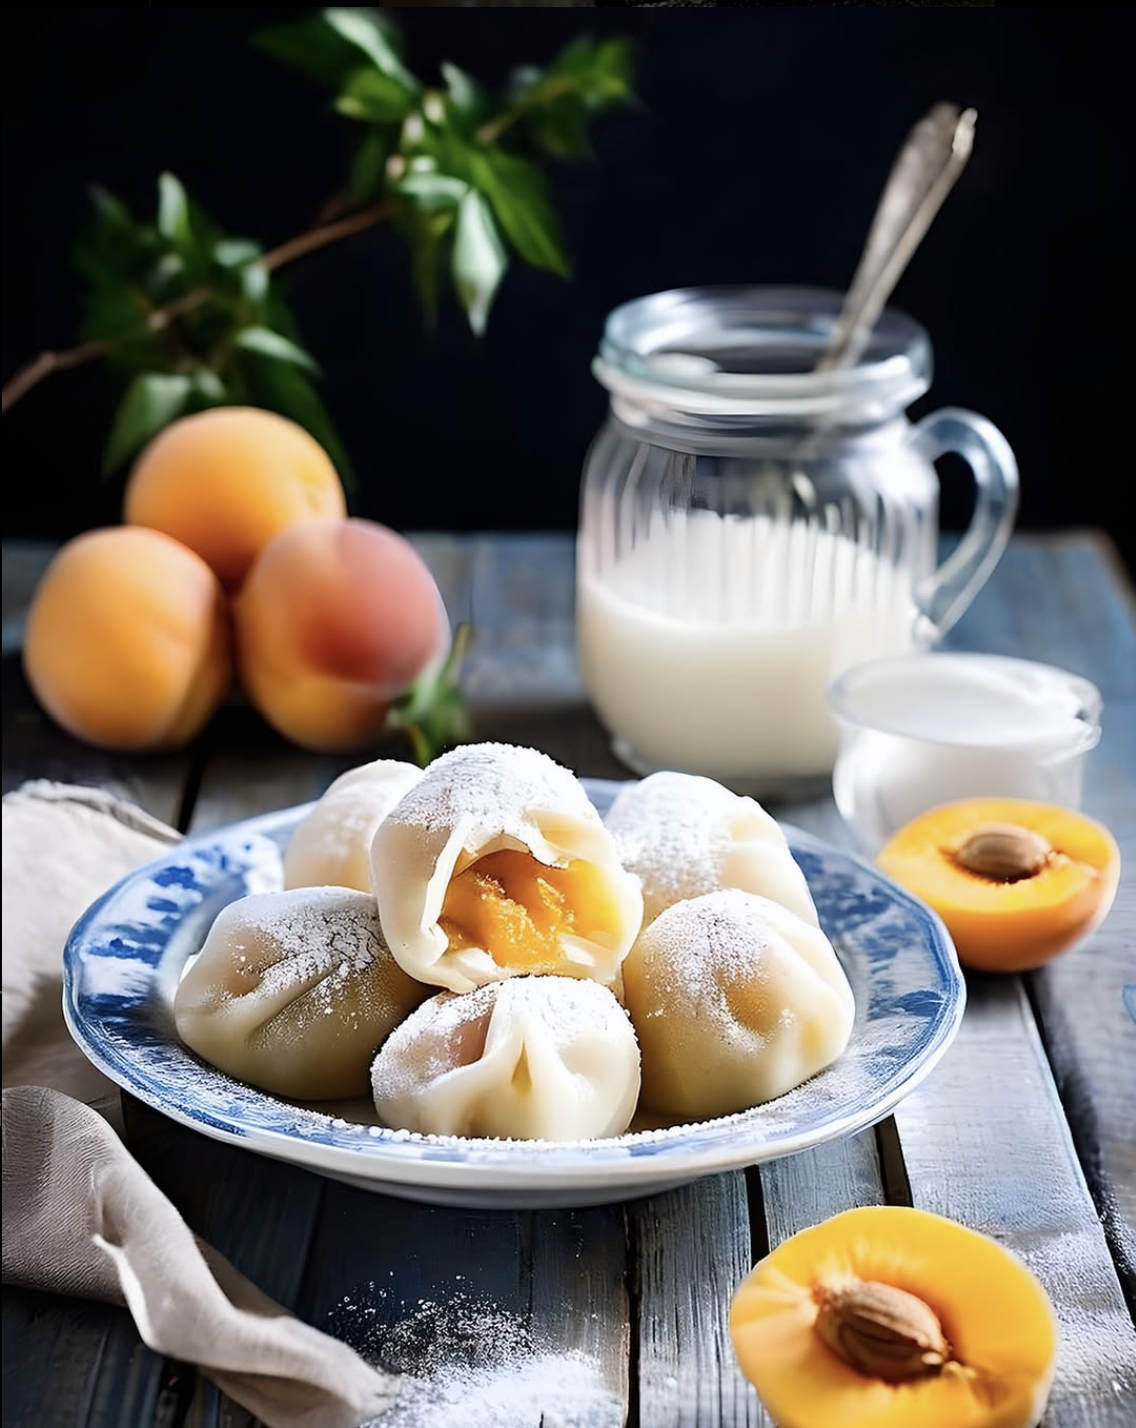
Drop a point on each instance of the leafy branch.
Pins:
(188, 316)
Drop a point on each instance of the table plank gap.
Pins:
(694, 1249)
(895, 1182)
(580, 1309)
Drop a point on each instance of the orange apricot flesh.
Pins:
(1009, 905)
(127, 643)
(225, 481)
(517, 908)
(999, 1335)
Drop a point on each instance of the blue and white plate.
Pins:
(125, 955)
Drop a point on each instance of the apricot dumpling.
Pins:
(497, 865)
(1015, 881)
(735, 1000)
(331, 844)
(890, 1317)
(683, 835)
(294, 991)
(528, 1058)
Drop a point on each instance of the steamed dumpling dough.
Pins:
(531, 1058)
(294, 991)
(735, 1000)
(496, 865)
(331, 844)
(684, 835)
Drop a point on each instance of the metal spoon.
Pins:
(925, 170)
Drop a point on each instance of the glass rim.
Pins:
(641, 353)
(1082, 733)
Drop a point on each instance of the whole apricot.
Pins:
(225, 481)
(334, 621)
(891, 1317)
(1015, 881)
(127, 643)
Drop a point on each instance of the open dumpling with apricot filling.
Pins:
(497, 865)
(735, 1000)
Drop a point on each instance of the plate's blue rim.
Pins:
(411, 1159)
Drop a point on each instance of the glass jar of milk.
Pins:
(751, 526)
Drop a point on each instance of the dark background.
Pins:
(760, 151)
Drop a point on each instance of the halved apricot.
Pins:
(1016, 882)
(890, 1317)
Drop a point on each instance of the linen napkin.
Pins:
(81, 1216)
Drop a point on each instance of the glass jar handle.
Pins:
(944, 597)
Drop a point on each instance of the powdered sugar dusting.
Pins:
(331, 844)
(492, 787)
(522, 1057)
(295, 939)
(684, 835)
(667, 828)
(470, 1364)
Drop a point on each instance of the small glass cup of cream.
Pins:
(921, 729)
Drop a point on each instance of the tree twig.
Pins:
(47, 363)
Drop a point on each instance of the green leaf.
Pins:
(433, 712)
(207, 389)
(467, 98)
(151, 402)
(375, 98)
(360, 28)
(255, 283)
(368, 167)
(432, 191)
(270, 344)
(174, 222)
(428, 234)
(604, 72)
(479, 259)
(284, 388)
(560, 128)
(316, 47)
(111, 244)
(235, 252)
(113, 311)
(515, 188)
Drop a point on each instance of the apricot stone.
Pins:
(127, 643)
(225, 481)
(335, 619)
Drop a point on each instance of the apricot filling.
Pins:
(890, 1317)
(518, 909)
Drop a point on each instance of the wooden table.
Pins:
(1026, 1130)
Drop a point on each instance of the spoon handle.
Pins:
(924, 172)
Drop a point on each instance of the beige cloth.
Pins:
(81, 1216)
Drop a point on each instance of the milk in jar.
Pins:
(709, 645)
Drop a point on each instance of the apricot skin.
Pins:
(127, 643)
(334, 621)
(1008, 926)
(225, 481)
